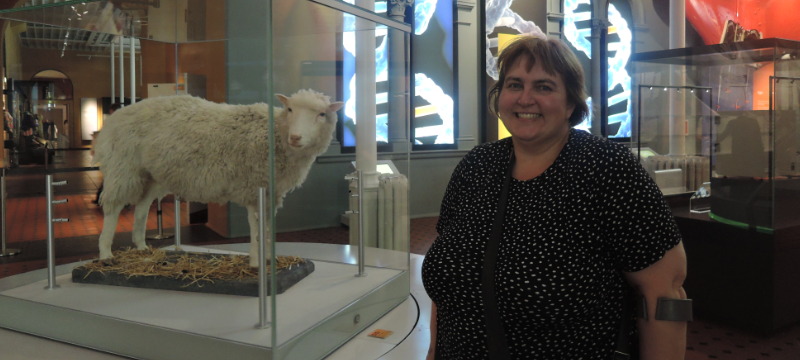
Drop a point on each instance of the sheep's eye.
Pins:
(290, 109)
(322, 114)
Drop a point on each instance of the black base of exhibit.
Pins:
(746, 278)
(286, 278)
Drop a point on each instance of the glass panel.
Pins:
(674, 144)
(742, 188)
(392, 9)
(48, 70)
(334, 303)
(740, 139)
(105, 17)
(786, 154)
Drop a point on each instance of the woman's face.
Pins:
(533, 104)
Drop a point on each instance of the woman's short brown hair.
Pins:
(556, 58)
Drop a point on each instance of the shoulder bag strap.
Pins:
(496, 337)
(623, 351)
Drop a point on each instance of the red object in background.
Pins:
(773, 18)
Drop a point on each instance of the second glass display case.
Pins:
(725, 114)
(718, 128)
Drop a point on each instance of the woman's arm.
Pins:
(661, 339)
(432, 347)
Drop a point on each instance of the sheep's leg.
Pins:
(110, 219)
(140, 215)
(252, 218)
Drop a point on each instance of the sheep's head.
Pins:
(310, 115)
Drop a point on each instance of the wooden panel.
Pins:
(218, 218)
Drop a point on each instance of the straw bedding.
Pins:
(188, 268)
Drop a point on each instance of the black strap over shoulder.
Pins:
(623, 350)
(496, 337)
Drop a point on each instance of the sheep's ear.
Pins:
(335, 106)
(283, 99)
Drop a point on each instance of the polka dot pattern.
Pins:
(566, 235)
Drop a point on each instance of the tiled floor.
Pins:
(77, 239)
(27, 217)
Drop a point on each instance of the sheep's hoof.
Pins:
(108, 262)
(253, 263)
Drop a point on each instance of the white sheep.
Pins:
(206, 152)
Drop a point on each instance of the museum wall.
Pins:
(204, 58)
(158, 63)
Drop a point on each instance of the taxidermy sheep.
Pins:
(206, 152)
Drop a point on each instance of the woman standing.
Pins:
(582, 221)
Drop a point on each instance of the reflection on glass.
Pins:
(674, 147)
(750, 125)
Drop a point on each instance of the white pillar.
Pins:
(121, 72)
(677, 76)
(398, 83)
(133, 68)
(470, 72)
(366, 145)
(113, 80)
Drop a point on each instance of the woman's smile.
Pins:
(528, 115)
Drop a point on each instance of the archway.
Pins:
(56, 93)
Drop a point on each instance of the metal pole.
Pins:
(121, 72)
(51, 251)
(177, 222)
(5, 251)
(113, 90)
(159, 219)
(133, 66)
(361, 211)
(263, 306)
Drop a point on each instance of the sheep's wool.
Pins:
(204, 151)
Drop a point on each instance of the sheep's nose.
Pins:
(294, 139)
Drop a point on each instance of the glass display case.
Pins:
(237, 52)
(725, 114)
(733, 109)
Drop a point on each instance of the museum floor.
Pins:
(77, 239)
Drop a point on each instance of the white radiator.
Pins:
(393, 232)
(695, 170)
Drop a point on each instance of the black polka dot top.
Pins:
(566, 235)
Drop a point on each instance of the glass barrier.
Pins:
(673, 135)
(786, 159)
(356, 229)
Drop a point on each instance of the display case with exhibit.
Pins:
(265, 95)
(733, 109)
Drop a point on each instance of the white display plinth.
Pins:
(162, 324)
